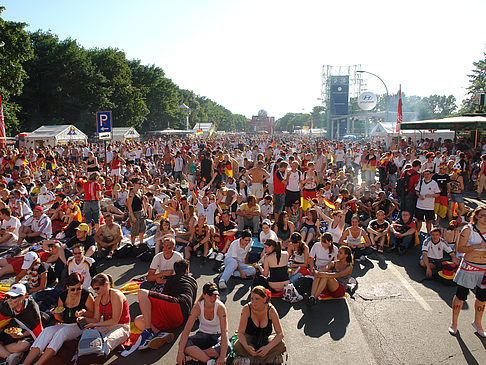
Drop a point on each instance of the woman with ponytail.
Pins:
(275, 265)
(111, 311)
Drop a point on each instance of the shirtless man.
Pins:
(472, 270)
(256, 176)
(167, 160)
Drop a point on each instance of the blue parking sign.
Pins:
(103, 120)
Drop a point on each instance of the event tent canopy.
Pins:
(56, 134)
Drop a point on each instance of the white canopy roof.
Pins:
(58, 133)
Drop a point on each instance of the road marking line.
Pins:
(409, 287)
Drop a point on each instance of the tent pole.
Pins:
(476, 139)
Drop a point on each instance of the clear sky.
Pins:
(253, 54)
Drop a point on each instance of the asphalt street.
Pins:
(395, 316)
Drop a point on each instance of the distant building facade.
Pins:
(261, 123)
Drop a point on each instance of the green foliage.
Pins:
(477, 84)
(293, 120)
(13, 54)
(50, 81)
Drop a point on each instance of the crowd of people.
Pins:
(293, 214)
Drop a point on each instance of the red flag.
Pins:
(400, 114)
(3, 140)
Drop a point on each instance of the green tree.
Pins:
(15, 51)
(293, 120)
(477, 85)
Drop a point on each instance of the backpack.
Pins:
(402, 184)
(92, 342)
(290, 294)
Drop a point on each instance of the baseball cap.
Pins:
(267, 221)
(16, 290)
(39, 208)
(83, 227)
(210, 289)
(29, 259)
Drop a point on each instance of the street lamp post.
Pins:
(386, 89)
(187, 110)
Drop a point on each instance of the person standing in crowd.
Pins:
(136, 210)
(92, 197)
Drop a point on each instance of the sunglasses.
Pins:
(77, 253)
(8, 297)
(75, 289)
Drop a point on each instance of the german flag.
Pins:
(199, 131)
(329, 204)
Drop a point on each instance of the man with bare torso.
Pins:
(256, 176)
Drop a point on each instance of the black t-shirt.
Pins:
(183, 289)
(442, 181)
(69, 314)
(385, 205)
(86, 243)
(206, 166)
(379, 227)
(368, 202)
(222, 228)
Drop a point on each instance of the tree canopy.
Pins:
(45, 80)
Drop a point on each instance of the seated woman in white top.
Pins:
(335, 225)
(353, 237)
(211, 340)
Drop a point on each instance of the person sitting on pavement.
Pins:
(257, 321)
(162, 266)
(77, 302)
(111, 312)
(275, 266)
(298, 256)
(402, 232)
(163, 230)
(35, 272)
(384, 204)
(267, 233)
(470, 274)
(80, 264)
(234, 261)
(249, 215)
(365, 209)
(322, 253)
(266, 207)
(108, 236)
(210, 344)
(310, 225)
(353, 237)
(36, 228)
(83, 237)
(378, 229)
(200, 239)
(284, 228)
(168, 310)
(334, 278)
(225, 232)
(24, 313)
(433, 252)
(9, 229)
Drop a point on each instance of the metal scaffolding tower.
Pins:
(356, 83)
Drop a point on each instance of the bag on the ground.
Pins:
(147, 256)
(92, 342)
(290, 294)
(124, 251)
(304, 285)
(138, 250)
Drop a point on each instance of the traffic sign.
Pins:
(103, 120)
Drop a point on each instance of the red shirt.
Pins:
(90, 189)
(278, 185)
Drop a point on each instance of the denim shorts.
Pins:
(205, 341)
(457, 198)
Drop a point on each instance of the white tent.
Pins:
(53, 135)
(121, 134)
(205, 127)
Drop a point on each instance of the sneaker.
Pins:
(380, 249)
(222, 284)
(14, 359)
(146, 336)
(212, 255)
(210, 252)
(161, 339)
(220, 257)
(190, 358)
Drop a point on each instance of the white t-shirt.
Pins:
(429, 188)
(322, 257)
(270, 236)
(14, 223)
(436, 250)
(208, 212)
(237, 252)
(160, 263)
(83, 268)
(340, 154)
(294, 180)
